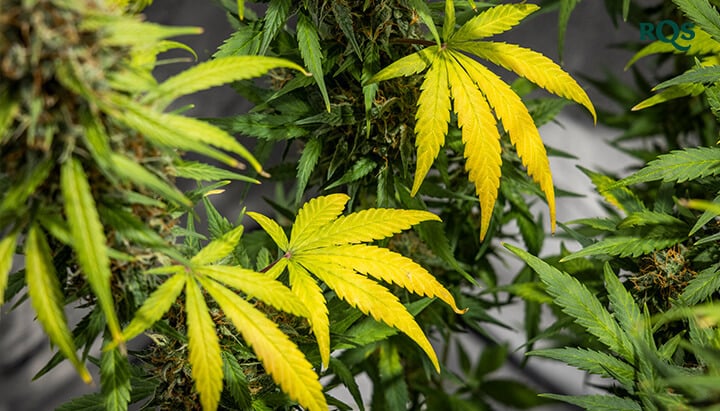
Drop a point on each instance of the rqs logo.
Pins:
(653, 31)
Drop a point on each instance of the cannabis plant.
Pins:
(90, 157)
(651, 330)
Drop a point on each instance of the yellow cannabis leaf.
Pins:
(479, 97)
(325, 245)
(280, 357)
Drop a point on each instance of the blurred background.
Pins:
(588, 49)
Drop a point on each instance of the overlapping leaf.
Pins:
(282, 359)
(472, 87)
(327, 246)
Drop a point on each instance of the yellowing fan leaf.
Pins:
(363, 226)
(387, 266)
(47, 299)
(7, 250)
(325, 250)
(218, 248)
(493, 21)
(272, 228)
(533, 66)
(157, 304)
(204, 347)
(314, 214)
(256, 285)
(370, 298)
(481, 138)
(280, 357)
(406, 66)
(453, 73)
(432, 117)
(310, 294)
(519, 124)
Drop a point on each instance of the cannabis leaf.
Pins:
(479, 97)
(328, 246)
(282, 359)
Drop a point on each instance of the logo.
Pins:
(656, 31)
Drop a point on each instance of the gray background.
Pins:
(25, 350)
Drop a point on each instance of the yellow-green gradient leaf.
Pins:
(387, 266)
(256, 285)
(370, 298)
(153, 308)
(406, 66)
(432, 119)
(366, 225)
(493, 21)
(311, 295)
(88, 239)
(214, 73)
(204, 348)
(280, 356)
(314, 215)
(272, 228)
(480, 136)
(510, 109)
(7, 250)
(130, 170)
(449, 23)
(46, 297)
(533, 66)
(219, 248)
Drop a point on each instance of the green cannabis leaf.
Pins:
(328, 246)
(479, 97)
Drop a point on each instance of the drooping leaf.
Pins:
(578, 302)
(370, 298)
(480, 136)
(310, 294)
(316, 248)
(115, 380)
(311, 52)
(432, 117)
(7, 252)
(533, 66)
(519, 124)
(46, 298)
(280, 356)
(387, 266)
(204, 347)
(88, 239)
